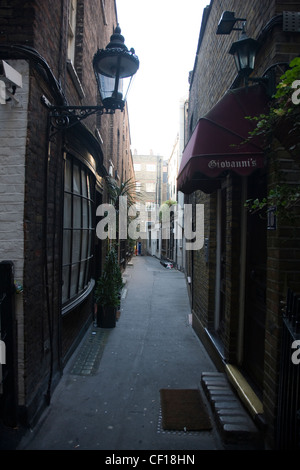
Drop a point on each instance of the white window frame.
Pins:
(72, 30)
(78, 230)
(150, 187)
(150, 167)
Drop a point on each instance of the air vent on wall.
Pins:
(291, 21)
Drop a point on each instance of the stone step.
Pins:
(234, 423)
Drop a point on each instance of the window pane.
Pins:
(82, 276)
(76, 246)
(88, 188)
(76, 180)
(68, 176)
(150, 187)
(150, 167)
(76, 212)
(74, 279)
(67, 210)
(78, 229)
(65, 286)
(84, 253)
(85, 215)
(67, 247)
(87, 272)
(90, 215)
(84, 183)
(90, 244)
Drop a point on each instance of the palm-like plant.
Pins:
(110, 283)
(108, 290)
(115, 191)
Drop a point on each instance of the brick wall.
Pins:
(42, 233)
(207, 87)
(117, 145)
(213, 75)
(13, 132)
(283, 266)
(16, 21)
(33, 211)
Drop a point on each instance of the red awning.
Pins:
(218, 142)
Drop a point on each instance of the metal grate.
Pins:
(291, 21)
(88, 359)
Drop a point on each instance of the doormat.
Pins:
(183, 410)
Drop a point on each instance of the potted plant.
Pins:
(107, 292)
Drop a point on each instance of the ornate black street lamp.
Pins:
(244, 51)
(114, 68)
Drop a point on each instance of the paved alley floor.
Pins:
(115, 405)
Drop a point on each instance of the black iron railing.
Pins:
(288, 418)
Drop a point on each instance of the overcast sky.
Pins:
(164, 34)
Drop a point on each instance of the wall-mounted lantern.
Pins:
(114, 68)
(244, 51)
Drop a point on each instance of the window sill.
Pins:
(75, 79)
(79, 299)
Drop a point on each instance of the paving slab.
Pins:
(108, 398)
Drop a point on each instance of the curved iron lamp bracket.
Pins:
(64, 117)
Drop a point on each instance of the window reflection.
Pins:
(78, 230)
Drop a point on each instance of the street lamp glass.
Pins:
(114, 68)
(244, 51)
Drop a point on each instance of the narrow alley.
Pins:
(116, 406)
(195, 166)
(111, 399)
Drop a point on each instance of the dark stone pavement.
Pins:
(108, 398)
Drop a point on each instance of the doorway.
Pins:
(220, 264)
(255, 285)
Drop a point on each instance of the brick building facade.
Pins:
(51, 183)
(149, 186)
(242, 275)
